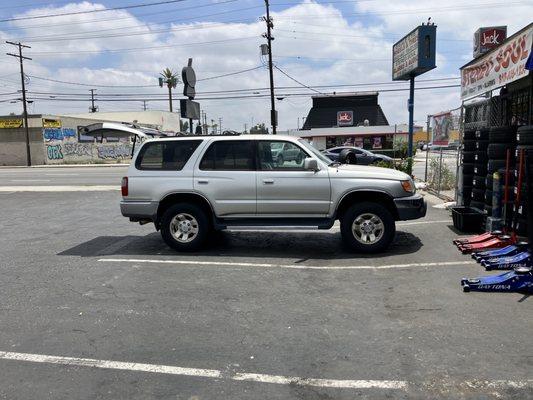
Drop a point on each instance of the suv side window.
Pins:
(166, 155)
(280, 156)
(229, 155)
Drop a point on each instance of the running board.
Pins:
(319, 223)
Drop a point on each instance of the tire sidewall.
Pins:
(356, 210)
(198, 214)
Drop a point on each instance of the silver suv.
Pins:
(190, 186)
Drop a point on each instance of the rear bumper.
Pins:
(139, 210)
(412, 207)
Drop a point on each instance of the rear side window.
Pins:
(166, 155)
(226, 155)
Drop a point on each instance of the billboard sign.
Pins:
(501, 66)
(441, 128)
(486, 39)
(51, 123)
(414, 54)
(345, 118)
(11, 123)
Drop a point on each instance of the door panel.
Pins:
(288, 188)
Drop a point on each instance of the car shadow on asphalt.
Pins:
(257, 244)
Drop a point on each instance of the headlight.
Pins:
(408, 186)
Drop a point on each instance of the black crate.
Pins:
(466, 219)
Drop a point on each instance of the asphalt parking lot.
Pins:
(95, 307)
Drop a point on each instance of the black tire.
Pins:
(469, 134)
(481, 145)
(502, 134)
(469, 145)
(495, 165)
(359, 210)
(202, 223)
(488, 197)
(481, 157)
(479, 182)
(498, 151)
(488, 209)
(521, 227)
(468, 156)
(478, 195)
(489, 181)
(480, 169)
(468, 179)
(482, 134)
(468, 168)
(477, 204)
(525, 135)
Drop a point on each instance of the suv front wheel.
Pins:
(368, 227)
(184, 227)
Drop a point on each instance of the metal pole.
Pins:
(269, 37)
(440, 173)
(411, 116)
(93, 108)
(190, 126)
(427, 147)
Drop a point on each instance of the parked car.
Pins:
(357, 155)
(190, 186)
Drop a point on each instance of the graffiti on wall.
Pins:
(77, 149)
(54, 152)
(117, 151)
(58, 133)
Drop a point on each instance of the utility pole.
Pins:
(220, 125)
(24, 106)
(268, 36)
(245, 128)
(93, 108)
(144, 105)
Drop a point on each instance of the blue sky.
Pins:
(335, 42)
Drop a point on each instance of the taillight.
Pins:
(124, 186)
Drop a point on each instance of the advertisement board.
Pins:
(414, 54)
(499, 67)
(486, 39)
(51, 123)
(11, 123)
(442, 125)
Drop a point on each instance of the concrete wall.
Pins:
(13, 146)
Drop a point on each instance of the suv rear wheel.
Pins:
(368, 227)
(184, 227)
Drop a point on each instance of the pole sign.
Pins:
(503, 65)
(486, 39)
(414, 54)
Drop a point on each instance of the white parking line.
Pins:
(93, 188)
(423, 222)
(287, 266)
(204, 373)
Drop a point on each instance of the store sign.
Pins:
(51, 123)
(10, 123)
(486, 39)
(345, 118)
(501, 66)
(414, 54)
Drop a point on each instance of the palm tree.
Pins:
(171, 79)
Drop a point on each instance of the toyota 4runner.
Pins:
(190, 186)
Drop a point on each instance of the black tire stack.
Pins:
(500, 140)
(467, 159)
(480, 169)
(524, 142)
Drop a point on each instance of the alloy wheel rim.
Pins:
(368, 228)
(184, 228)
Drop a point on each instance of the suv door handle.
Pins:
(203, 181)
(268, 181)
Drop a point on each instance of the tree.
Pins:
(171, 79)
(259, 129)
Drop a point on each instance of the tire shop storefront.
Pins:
(496, 163)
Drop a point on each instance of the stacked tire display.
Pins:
(467, 159)
(479, 169)
(525, 143)
(500, 141)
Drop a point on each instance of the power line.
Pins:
(297, 81)
(93, 11)
(230, 74)
(88, 84)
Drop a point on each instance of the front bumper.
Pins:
(412, 207)
(139, 210)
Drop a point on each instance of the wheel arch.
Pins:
(184, 197)
(372, 196)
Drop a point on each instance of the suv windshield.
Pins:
(317, 153)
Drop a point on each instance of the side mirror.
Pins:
(310, 164)
(347, 156)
